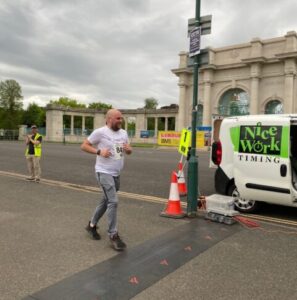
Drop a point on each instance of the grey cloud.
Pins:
(241, 21)
(120, 51)
(15, 20)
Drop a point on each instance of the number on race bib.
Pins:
(118, 151)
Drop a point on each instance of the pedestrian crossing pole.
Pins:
(192, 198)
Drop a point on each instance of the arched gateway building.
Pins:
(258, 77)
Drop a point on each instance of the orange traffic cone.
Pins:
(173, 208)
(182, 187)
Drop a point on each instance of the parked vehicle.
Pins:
(256, 159)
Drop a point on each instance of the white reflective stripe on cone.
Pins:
(174, 194)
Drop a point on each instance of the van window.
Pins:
(293, 137)
(216, 129)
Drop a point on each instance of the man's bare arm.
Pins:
(88, 147)
(29, 139)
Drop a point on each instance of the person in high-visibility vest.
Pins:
(33, 154)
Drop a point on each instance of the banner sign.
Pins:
(168, 138)
(200, 139)
(144, 134)
(195, 41)
(182, 139)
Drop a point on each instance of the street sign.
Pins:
(184, 142)
(203, 59)
(144, 134)
(205, 23)
(195, 35)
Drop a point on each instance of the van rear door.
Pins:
(215, 133)
(261, 159)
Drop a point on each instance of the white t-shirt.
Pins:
(105, 137)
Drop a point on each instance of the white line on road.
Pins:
(92, 189)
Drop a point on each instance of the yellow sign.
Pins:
(185, 142)
(182, 140)
(168, 138)
(200, 139)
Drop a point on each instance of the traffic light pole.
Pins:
(193, 160)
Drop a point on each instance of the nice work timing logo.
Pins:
(260, 139)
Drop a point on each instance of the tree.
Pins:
(2, 118)
(67, 102)
(34, 114)
(99, 106)
(11, 103)
(131, 125)
(173, 105)
(151, 103)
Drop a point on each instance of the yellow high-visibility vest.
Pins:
(37, 148)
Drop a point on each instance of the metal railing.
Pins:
(77, 131)
(131, 133)
(41, 130)
(66, 134)
(9, 134)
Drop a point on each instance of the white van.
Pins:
(256, 158)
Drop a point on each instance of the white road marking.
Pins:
(92, 189)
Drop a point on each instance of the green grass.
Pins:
(144, 145)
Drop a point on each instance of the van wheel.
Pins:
(240, 204)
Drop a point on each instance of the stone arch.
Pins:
(225, 89)
(273, 101)
(233, 101)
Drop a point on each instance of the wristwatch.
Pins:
(98, 152)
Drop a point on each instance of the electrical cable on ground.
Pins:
(252, 225)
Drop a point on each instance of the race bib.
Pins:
(118, 151)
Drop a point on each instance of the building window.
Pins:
(89, 125)
(131, 126)
(161, 123)
(234, 102)
(274, 107)
(171, 123)
(77, 125)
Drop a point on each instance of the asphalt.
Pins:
(45, 252)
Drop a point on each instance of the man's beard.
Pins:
(115, 127)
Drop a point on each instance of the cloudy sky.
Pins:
(119, 51)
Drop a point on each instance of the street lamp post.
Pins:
(193, 160)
